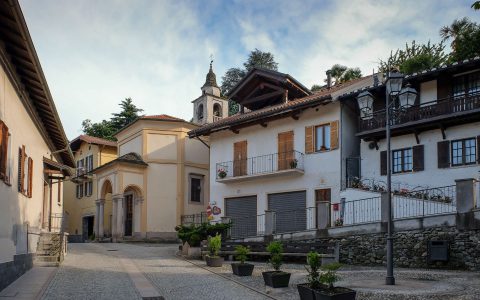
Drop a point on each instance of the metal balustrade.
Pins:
(354, 212)
(264, 164)
(424, 111)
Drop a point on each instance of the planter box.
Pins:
(214, 261)
(240, 269)
(339, 293)
(305, 292)
(276, 279)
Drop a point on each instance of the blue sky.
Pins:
(96, 53)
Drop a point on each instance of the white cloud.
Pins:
(95, 53)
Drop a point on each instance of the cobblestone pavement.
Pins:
(96, 271)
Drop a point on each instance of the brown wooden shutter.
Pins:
(285, 150)
(240, 158)
(418, 158)
(2, 155)
(30, 177)
(443, 154)
(334, 135)
(309, 145)
(383, 163)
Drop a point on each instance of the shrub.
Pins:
(314, 262)
(329, 275)
(214, 245)
(276, 253)
(194, 234)
(241, 253)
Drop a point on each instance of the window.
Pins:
(88, 188)
(402, 160)
(200, 112)
(79, 191)
(80, 167)
(196, 189)
(322, 137)
(323, 195)
(466, 84)
(217, 110)
(464, 152)
(89, 163)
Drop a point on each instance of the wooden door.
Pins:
(286, 153)
(128, 215)
(240, 158)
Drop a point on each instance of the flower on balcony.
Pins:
(339, 222)
(221, 173)
(293, 163)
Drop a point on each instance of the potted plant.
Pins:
(214, 245)
(305, 290)
(276, 278)
(242, 268)
(221, 173)
(338, 222)
(293, 163)
(327, 290)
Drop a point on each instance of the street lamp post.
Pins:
(407, 98)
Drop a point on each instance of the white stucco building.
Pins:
(285, 154)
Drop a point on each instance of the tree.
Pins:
(476, 5)
(336, 71)
(232, 77)
(351, 73)
(260, 59)
(316, 87)
(465, 36)
(127, 115)
(341, 74)
(415, 58)
(107, 128)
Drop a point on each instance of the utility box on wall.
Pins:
(437, 251)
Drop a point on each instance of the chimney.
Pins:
(329, 78)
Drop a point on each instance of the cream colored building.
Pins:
(80, 195)
(34, 153)
(160, 174)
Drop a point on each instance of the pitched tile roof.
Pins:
(322, 96)
(129, 158)
(75, 143)
(161, 117)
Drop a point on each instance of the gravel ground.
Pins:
(411, 284)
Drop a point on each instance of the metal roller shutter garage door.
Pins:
(290, 210)
(243, 213)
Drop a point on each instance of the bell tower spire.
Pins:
(210, 106)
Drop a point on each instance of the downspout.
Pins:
(208, 146)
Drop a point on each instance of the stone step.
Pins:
(46, 263)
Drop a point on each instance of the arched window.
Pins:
(200, 112)
(217, 110)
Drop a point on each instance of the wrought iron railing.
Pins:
(428, 202)
(264, 164)
(354, 212)
(247, 226)
(440, 107)
(56, 222)
(194, 219)
(294, 220)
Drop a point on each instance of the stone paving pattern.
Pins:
(98, 271)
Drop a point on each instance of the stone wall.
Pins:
(410, 248)
(10, 271)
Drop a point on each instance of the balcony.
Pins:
(435, 114)
(270, 165)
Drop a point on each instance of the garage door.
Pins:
(243, 213)
(290, 211)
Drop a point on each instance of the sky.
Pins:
(96, 53)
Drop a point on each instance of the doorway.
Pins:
(87, 227)
(128, 215)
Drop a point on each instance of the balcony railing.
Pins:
(269, 164)
(424, 111)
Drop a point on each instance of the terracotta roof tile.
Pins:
(95, 140)
(162, 117)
